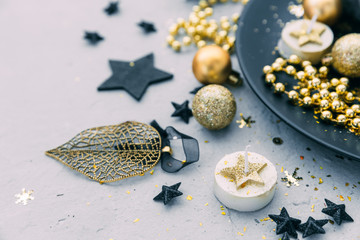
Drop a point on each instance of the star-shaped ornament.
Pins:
(312, 226)
(24, 196)
(237, 173)
(337, 212)
(304, 37)
(134, 77)
(168, 193)
(182, 110)
(285, 223)
(93, 37)
(112, 8)
(147, 26)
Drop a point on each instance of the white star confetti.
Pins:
(24, 196)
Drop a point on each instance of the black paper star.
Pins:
(337, 212)
(93, 37)
(195, 90)
(285, 236)
(312, 226)
(285, 223)
(134, 77)
(147, 26)
(168, 193)
(112, 8)
(182, 111)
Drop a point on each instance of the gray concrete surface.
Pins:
(49, 76)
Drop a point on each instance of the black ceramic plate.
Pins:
(259, 31)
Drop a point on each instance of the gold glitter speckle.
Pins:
(341, 198)
(189, 197)
(136, 220)
(223, 213)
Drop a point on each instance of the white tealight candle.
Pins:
(307, 39)
(245, 191)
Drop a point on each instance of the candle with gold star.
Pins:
(245, 181)
(308, 39)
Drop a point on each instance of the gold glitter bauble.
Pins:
(211, 64)
(328, 11)
(346, 55)
(214, 107)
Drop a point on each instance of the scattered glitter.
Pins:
(347, 184)
(302, 157)
(189, 198)
(128, 192)
(24, 196)
(206, 141)
(225, 162)
(312, 208)
(342, 198)
(321, 168)
(312, 176)
(223, 213)
(245, 121)
(244, 229)
(136, 220)
(292, 179)
(320, 181)
(156, 185)
(239, 233)
(282, 169)
(110, 196)
(152, 172)
(335, 188)
(286, 194)
(200, 224)
(277, 141)
(263, 237)
(265, 219)
(315, 189)
(349, 198)
(206, 204)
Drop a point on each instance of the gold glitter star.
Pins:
(24, 196)
(245, 121)
(238, 174)
(313, 36)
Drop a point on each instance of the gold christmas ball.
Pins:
(211, 64)
(214, 107)
(346, 55)
(328, 11)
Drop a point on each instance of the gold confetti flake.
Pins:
(286, 194)
(349, 198)
(263, 237)
(206, 204)
(265, 219)
(206, 141)
(342, 198)
(239, 233)
(315, 189)
(110, 196)
(282, 169)
(312, 208)
(200, 224)
(347, 184)
(313, 177)
(24, 196)
(244, 229)
(225, 162)
(136, 220)
(223, 213)
(320, 181)
(335, 188)
(128, 192)
(156, 185)
(321, 168)
(189, 197)
(152, 172)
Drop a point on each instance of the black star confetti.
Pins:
(292, 179)
(245, 121)
(134, 77)
(112, 8)
(93, 37)
(195, 90)
(168, 193)
(285, 236)
(147, 27)
(182, 110)
(285, 223)
(337, 212)
(312, 226)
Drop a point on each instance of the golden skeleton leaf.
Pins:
(111, 153)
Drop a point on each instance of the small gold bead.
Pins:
(300, 75)
(203, 4)
(208, 11)
(225, 26)
(181, 22)
(173, 30)
(293, 59)
(194, 21)
(356, 108)
(340, 89)
(305, 63)
(191, 31)
(316, 82)
(281, 61)
(310, 70)
(344, 80)
(223, 34)
(212, 22)
(210, 32)
(200, 29)
(324, 93)
(224, 19)
(170, 39)
(335, 105)
(324, 104)
(293, 95)
(186, 41)
(326, 115)
(327, 60)
(334, 82)
(201, 44)
(204, 22)
(244, 2)
(226, 47)
(276, 67)
(290, 70)
(201, 14)
(196, 9)
(212, 2)
(349, 97)
(324, 85)
(355, 123)
(234, 28)
(307, 101)
(270, 78)
(197, 38)
(218, 40)
(223, 1)
(235, 17)
(349, 113)
(267, 69)
(315, 97)
(304, 92)
(230, 40)
(341, 119)
(279, 87)
(333, 95)
(176, 45)
(323, 71)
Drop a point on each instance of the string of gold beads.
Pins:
(200, 30)
(330, 98)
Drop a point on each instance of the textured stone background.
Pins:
(49, 76)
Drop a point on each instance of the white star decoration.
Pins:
(24, 196)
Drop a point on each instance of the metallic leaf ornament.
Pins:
(111, 153)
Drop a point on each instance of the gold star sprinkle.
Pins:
(245, 121)
(24, 196)
(313, 36)
(238, 174)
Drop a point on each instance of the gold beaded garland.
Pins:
(328, 97)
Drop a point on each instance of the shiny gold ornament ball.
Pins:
(346, 55)
(211, 64)
(328, 11)
(214, 107)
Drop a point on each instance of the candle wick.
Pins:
(312, 22)
(246, 159)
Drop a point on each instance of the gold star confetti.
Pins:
(24, 196)
(245, 121)
(313, 36)
(292, 179)
(238, 174)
